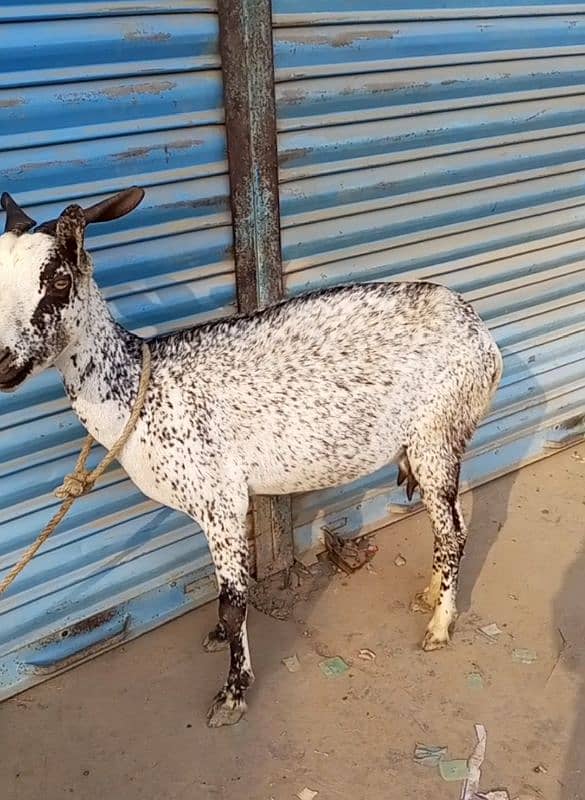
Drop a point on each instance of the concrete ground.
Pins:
(130, 725)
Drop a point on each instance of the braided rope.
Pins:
(81, 480)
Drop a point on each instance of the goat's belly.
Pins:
(308, 476)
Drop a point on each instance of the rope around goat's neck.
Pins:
(81, 480)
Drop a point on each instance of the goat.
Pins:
(313, 392)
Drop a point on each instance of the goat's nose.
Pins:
(4, 356)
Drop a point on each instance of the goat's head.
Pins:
(45, 276)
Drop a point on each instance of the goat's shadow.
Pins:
(569, 622)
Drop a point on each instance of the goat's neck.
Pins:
(101, 371)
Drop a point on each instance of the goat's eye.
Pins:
(61, 284)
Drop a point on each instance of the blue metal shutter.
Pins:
(446, 142)
(95, 97)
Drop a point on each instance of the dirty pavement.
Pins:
(346, 706)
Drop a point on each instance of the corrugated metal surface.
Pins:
(445, 142)
(95, 97)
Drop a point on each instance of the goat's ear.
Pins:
(114, 207)
(69, 233)
(16, 220)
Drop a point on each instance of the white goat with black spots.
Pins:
(311, 393)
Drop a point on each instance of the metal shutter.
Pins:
(445, 142)
(95, 97)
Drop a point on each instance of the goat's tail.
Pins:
(497, 374)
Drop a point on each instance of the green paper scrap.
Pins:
(474, 680)
(429, 755)
(454, 770)
(332, 667)
(523, 656)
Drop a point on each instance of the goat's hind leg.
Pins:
(437, 471)
(425, 601)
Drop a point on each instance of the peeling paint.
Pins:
(218, 203)
(146, 36)
(38, 166)
(127, 90)
(89, 624)
(286, 158)
(134, 152)
(184, 144)
(344, 38)
(12, 102)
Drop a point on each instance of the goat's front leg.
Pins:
(224, 522)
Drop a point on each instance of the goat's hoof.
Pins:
(215, 641)
(432, 641)
(225, 710)
(422, 604)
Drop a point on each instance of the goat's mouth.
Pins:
(12, 378)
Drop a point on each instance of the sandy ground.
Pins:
(130, 725)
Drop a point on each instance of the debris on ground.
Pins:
(292, 663)
(277, 595)
(349, 555)
(475, 680)
(470, 789)
(491, 631)
(466, 770)
(541, 769)
(332, 667)
(523, 656)
(456, 770)
(399, 561)
(307, 794)
(429, 755)
(474, 762)
(366, 654)
(577, 457)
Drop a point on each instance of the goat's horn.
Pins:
(16, 220)
(114, 207)
(111, 208)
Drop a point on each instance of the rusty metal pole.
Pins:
(245, 37)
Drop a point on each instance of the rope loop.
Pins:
(74, 485)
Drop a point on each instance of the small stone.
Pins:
(366, 654)
(491, 631)
(523, 656)
(307, 794)
(292, 663)
(475, 680)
